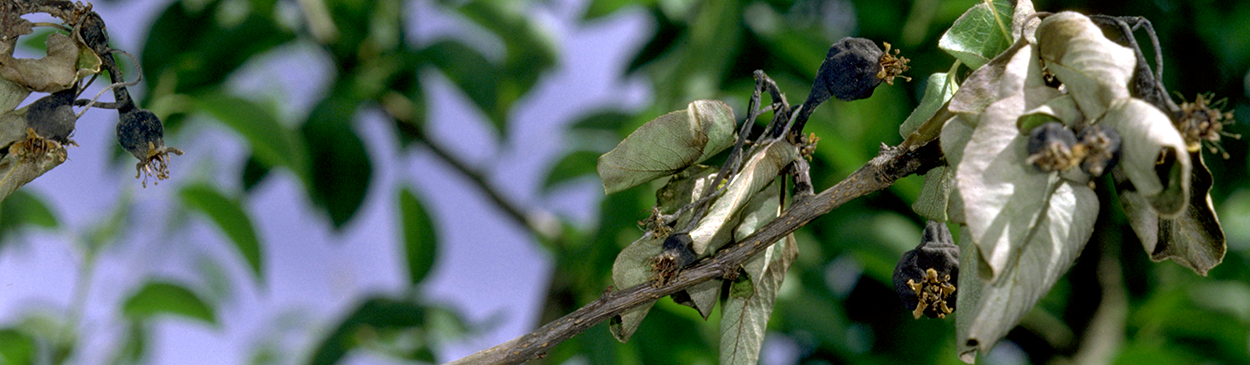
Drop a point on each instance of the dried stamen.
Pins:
(932, 291)
(892, 66)
(1203, 121)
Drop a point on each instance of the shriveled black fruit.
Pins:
(848, 73)
(1101, 148)
(141, 133)
(925, 277)
(1050, 147)
(137, 128)
(52, 117)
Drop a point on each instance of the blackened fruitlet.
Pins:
(1101, 149)
(925, 276)
(849, 71)
(138, 127)
(1050, 147)
(141, 133)
(52, 117)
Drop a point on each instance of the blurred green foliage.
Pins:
(836, 305)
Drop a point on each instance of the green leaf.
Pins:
(229, 216)
(272, 143)
(22, 208)
(374, 314)
(574, 165)
(1194, 239)
(668, 144)
(420, 239)
(36, 41)
(134, 344)
(17, 347)
(254, 172)
(980, 34)
(1095, 70)
(602, 8)
(339, 164)
(196, 48)
(157, 298)
(528, 49)
(479, 79)
(938, 90)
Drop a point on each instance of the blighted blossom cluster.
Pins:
(33, 139)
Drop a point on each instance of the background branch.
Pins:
(891, 164)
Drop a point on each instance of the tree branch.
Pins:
(891, 164)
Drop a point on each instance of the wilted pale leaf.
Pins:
(668, 144)
(980, 33)
(938, 90)
(1153, 154)
(1194, 239)
(1095, 70)
(1002, 195)
(751, 301)
(716, 227)
(1023, 23)
(633, 266)
(991, 82)
(760, 210)
(54, 72)
(987, 310)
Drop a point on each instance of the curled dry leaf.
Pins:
(716, 228)
(1193, 239)
(1095, 70)
(1153, 155)
(55, 72)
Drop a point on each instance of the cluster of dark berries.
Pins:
(1053, 147)
(925, 277)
